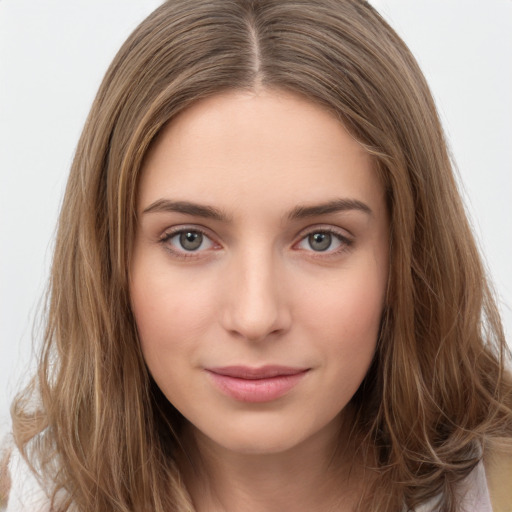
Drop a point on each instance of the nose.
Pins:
(256, 303)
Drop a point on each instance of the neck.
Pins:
(319, 474)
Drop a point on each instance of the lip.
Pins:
(256, 385)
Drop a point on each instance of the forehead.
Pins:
(257, 148)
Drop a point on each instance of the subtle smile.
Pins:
(255, 385)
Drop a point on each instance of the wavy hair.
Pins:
(102, 437)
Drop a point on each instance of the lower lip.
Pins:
(256, 390)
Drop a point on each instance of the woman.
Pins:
(265, 293)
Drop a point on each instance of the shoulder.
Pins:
(498, 470)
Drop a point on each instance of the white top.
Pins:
(27, 495)
(474, 493)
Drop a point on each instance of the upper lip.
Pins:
(262, 372)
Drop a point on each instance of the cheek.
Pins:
(169, 324)
(346, 317)
(170, 315)
(351, 305)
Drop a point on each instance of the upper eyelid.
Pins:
(324, 228)
(174, 230)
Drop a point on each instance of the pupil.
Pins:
(320, 241)
(191, 240)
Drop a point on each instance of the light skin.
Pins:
(262, 240)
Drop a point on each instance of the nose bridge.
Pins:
(256, 306)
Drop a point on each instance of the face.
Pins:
(259, 268)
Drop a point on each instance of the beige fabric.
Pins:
(498, 470)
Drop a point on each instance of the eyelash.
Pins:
(344, 241)
(183, 253)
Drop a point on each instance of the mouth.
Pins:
(256, 385)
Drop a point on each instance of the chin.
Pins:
(262, 445)
(268, 435)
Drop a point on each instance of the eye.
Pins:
(324, 241)
(187, 241)
(190, 240)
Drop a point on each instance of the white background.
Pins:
(53, 55)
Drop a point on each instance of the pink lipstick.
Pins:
(262, 384)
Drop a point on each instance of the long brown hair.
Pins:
(103, 437)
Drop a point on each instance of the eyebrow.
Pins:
(299, 212)
(337, 205)
(188, 208)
